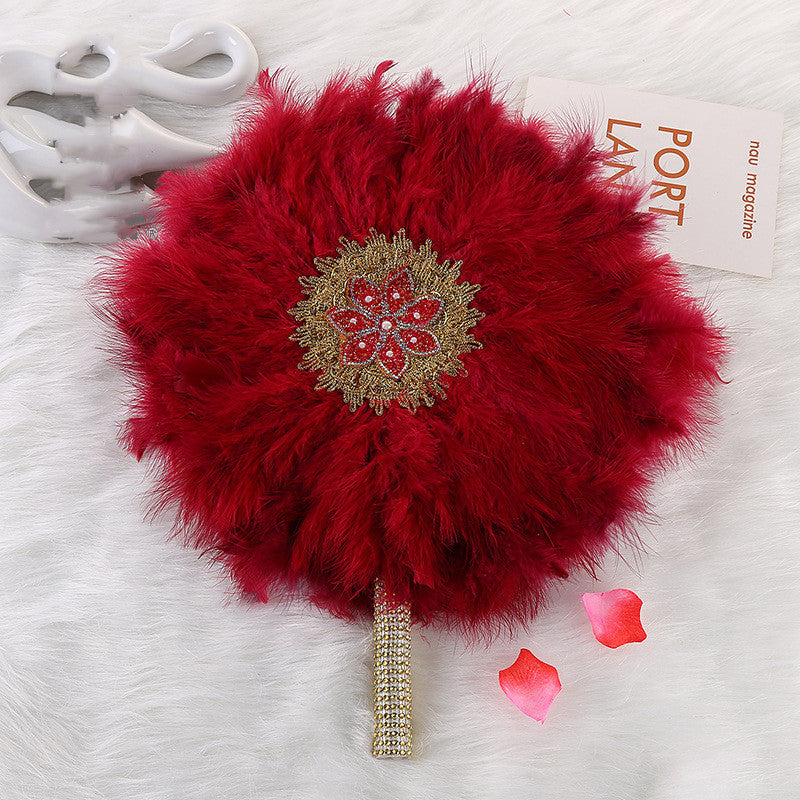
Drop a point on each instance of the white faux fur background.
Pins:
(129, 670)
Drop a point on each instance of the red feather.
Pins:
(595, 366)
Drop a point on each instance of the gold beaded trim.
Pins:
(392, 677)
(375, 260)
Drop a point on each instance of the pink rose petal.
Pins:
(615, 616)
(530, 684)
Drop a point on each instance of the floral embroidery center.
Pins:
(385, 322)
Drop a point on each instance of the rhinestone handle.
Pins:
(392, 676)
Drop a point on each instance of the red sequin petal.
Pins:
(365, 294)
(360, 349)
(348, 320)
(615, 616)
(421, 312)
(398, 290)
(418, 341)
(392, 357)
(530, 684)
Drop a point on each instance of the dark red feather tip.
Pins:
(595, 365)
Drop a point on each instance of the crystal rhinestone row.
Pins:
(392, 677)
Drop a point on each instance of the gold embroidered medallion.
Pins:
(385, 322)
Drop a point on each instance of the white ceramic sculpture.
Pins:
(95, 165)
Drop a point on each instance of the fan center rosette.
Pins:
(385, 322)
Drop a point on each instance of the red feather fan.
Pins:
(541, 362)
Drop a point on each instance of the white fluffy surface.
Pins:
(129, 670)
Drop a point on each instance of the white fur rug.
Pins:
(128, 669)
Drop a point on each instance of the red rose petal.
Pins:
(392, 357)
(615, 616)
(419, 341)
(421, 312)
(360, 349)
(398, 290)
(365, 294)
(348, 320)
(530, 684)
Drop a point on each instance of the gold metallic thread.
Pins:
(375, 260)
(391, 676)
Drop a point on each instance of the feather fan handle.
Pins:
(392, 676)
